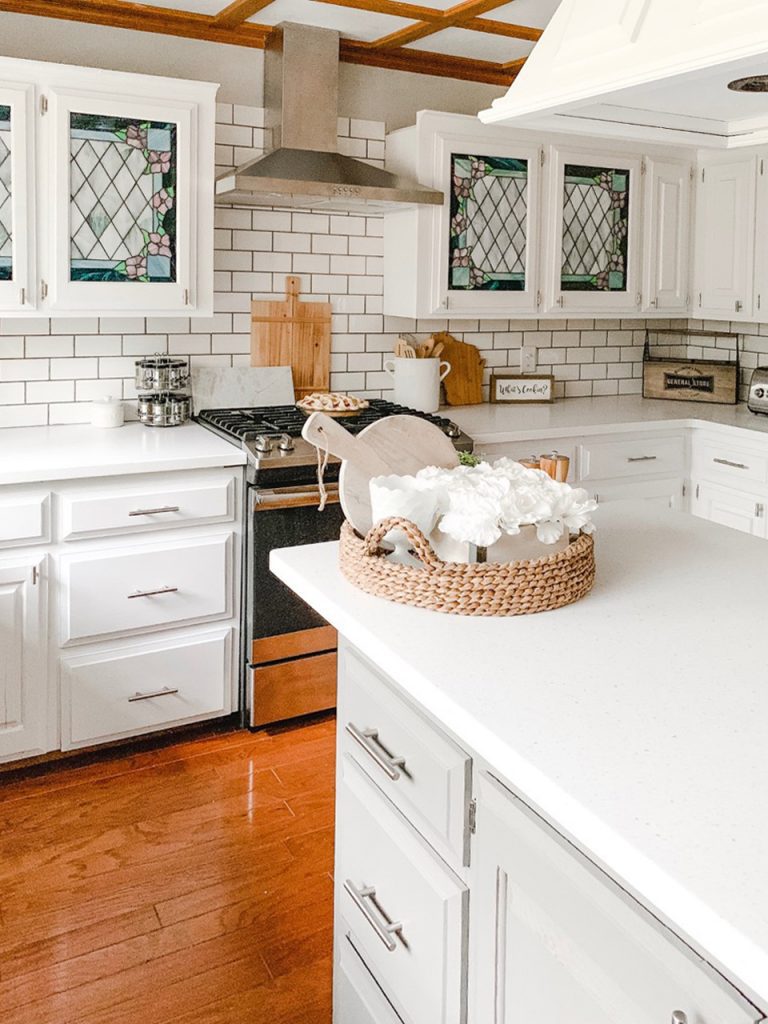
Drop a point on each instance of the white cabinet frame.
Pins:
(667, 249)
(18, 296)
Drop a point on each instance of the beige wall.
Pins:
(373, 93)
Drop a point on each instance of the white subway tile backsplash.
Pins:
(51, 369)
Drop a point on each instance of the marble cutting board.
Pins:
(229, 387)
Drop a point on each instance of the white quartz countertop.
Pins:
(35, 454)
(491, 424)
(634, 720)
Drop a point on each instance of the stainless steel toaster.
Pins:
(758, 391)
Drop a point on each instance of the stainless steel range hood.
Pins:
(306, 169)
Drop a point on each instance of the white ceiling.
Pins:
(367, 26)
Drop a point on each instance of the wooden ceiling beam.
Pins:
(454, 16)
(141, 18)
(424, 62)
(503, 28)
(239, 11)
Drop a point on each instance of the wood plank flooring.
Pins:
(189, 884)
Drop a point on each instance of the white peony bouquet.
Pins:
(478, 504)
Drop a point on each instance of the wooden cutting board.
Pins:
(395, 444)
(296, 334)
(464, 383)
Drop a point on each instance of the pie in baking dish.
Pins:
(332, 403)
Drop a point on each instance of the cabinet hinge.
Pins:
(762, 167)
(687, 300)
(43, 290)
(759, 297)
(693, 173)
(538, 300)
(43, 105)
(703, 173)
(643, 167)
(685, 490)
(472, 816)
(697, 492)
(759, 510)
(699, 300)
(542, 157)
(35, 575)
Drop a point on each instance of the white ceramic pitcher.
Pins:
(417, 381)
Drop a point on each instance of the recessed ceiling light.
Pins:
(754, 83)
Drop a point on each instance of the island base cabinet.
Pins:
(400, 906)
(357, 999)
(554, 939)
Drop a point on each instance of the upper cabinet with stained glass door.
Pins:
(477, 255)
(595, 232)
(17, 200)
(131, 203)
(123, 192)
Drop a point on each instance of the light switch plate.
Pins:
(527, 360)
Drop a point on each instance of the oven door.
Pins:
(293, 649)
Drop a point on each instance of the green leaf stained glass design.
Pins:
(595, 229)
(6, 204)
(122, 199)
(488, 228)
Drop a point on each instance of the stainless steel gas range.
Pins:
(289, 651)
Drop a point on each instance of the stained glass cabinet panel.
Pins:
(596, 232)
(489, 227)
(17, 168)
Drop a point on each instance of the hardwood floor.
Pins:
(189, 884)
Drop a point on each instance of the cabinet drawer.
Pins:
(567, 933)
(110, 694)
(132, 589)
(385, 876)
(430, 785)
(518, 450)
(357, 999)
(728, 463)
(203, 498)
(25, 519)
(602, 460)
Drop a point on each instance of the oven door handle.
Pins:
(288, 497)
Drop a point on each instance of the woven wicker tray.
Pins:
(458, 588)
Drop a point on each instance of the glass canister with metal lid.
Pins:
(161, 373)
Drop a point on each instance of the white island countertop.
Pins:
(36, 454)
(635, 720)
(492, 424)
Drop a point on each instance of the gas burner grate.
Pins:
(287, 419)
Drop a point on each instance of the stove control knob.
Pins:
(759, 392)
(451, 429)
(262, 444)
(285, 443)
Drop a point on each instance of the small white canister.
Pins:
(107, 412)
(417, 381)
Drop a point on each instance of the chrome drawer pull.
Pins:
(369, 741)
(642, 458)
(153, 593)
(384, 929)
(154, 511)
(165, 692)
(733, 465)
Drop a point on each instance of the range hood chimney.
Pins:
(305, 169)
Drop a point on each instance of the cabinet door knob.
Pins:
(739, 305)
(678, 1017)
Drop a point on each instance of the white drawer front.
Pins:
(603, 460)
(518, 450)
(133, 589)
(729, 463)
(357, 999)
(431, 786)
(109, 694)
(136, 509)
(25, 520)
(422, 973)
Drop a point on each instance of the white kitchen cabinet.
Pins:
(17, 196)
(555, 939)
(23, 657)
(668, 492)
(357, 998)
(667, 250)
(121, 213)
(725, 236)
(477, 255)
(741, 510)
(594, 231)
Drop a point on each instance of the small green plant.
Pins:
(468, 459)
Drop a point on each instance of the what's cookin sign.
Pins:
(521, 388)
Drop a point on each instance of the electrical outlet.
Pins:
(527, 360)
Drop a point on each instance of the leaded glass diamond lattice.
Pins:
(6, 205)
(489, 211)
(122, 199)
(595, 228)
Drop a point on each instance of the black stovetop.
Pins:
(287, 419)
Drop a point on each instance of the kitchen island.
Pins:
(631, 725)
